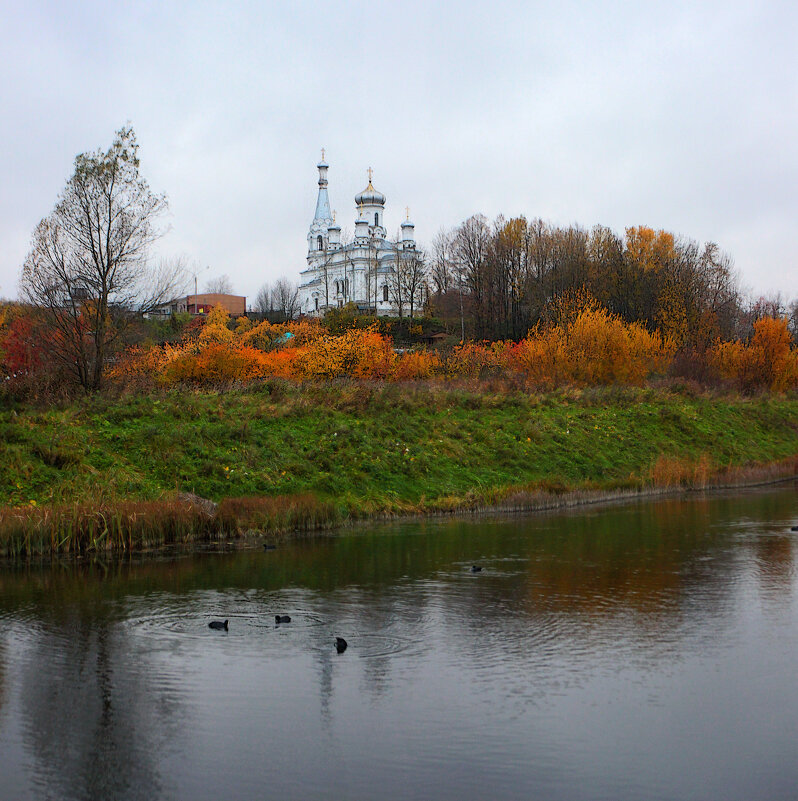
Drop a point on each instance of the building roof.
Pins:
(234, 304)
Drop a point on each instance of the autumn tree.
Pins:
(87, 268)
(509, 265)
(471, 244)
(511, 272)
(720, 293)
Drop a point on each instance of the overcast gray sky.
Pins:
(677, 115)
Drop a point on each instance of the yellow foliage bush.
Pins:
(768, 361)
(243, 324)
(262, 336)
(597, 348)
(215, 330)
(357, 353)
(588, 346)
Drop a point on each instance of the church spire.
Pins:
(318, 236)
(323, 203)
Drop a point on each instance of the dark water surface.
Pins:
(642, 651)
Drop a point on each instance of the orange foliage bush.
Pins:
(588, 346)
(768, 361)
(214, 364)
(417, 365)
(20, 350)
(474, 359)
(280, 363)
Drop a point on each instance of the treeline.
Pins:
(497, 281)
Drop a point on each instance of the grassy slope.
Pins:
(373, 448)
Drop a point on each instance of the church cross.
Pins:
(369, 174)
(407, 209)
(322, 154)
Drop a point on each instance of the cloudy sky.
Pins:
(677, 115)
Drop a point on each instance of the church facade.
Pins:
(364, 271)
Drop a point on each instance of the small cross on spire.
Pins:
(322, 154)
(369, 174)
(407, 209)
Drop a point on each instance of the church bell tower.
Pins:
(318, 237)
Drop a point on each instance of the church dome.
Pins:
(370, 197)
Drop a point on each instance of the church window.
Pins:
(385, 293)
(317, 303)
(320, 241)
(376, 218)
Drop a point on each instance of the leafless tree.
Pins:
(87, 269)
(263, 300)
(407, 283)
(162, 281)
(285, 298)
(442, 265)
(222, 285)
(471, 244)
(792, 319)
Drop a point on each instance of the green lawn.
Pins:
(371, 448)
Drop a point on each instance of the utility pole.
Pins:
(196, 272)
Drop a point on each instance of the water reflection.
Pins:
(89, 723)
(592, 657)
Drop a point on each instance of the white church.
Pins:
(363, 271)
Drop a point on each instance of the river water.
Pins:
(637, 651)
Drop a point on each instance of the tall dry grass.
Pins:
(129, 526)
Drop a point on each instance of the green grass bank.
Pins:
(105, 472)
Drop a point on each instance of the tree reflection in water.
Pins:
(93, 725)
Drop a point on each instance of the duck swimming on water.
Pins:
(282, 618)
(340, 644)
(218, 624)
(476, 568)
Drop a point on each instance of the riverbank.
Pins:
(131, 472)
